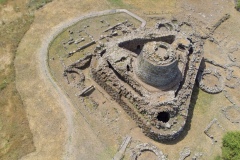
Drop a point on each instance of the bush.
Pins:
(231, 146)
(3, 85)
(238, 5)
(37, 4)
(218, 158)
(3, 1)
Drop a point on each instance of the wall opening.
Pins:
(138, 47)
(190, 50)
(181, 47)
(163, 116)
(128, 68)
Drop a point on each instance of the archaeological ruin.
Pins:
(149, 71)
(151, 74)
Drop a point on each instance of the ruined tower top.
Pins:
(157, 65)
(158, 53)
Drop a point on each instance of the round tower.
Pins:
(157, 64)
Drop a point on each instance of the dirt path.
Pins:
(59, 130)
(44, 70)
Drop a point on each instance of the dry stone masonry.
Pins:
(139, 149)
(149, 72)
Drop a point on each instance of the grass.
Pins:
(217, 157)
(15, 128)
(37, 4)
(117, 3)
(11, 106)
(3, 1)
(231, 146)
(205, 99)
(3, 85)
(238, 4)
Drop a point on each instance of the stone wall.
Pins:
(133, 44)
(156, 75)
(147, 129)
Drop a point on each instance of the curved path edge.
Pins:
(44, 61)
(42, 67)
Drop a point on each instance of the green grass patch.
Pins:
(200, 100)
(218, 158)
(118, 3)
(3, 85)
(3, 1)
(37, 4)
(238, 5)
(108, 151)
(231, 146)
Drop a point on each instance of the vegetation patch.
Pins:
(3, 85)
(218, 158)
(16, 140)
(205, 99)
(231, 146)
(118, 3)
(16, 137)
(37, 4)
(238, 5)
(3, 1)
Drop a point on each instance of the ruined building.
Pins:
(151, 74)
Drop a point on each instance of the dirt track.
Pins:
(67, 107)
(58, 132)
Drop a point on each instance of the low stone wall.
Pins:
(97, 76)
(212, 90)
(117, 97)
(147, 147)
(133, 43)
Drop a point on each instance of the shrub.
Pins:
(3, 85)
(3, 1)
(231, 146)
(238, 5)
(217, 157)
(37, 4)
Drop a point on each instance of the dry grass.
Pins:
(15, 136)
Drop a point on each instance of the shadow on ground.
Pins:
(189, 119)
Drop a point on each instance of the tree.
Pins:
(231, 146)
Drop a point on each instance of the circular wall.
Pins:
(156, 75)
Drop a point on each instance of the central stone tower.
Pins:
(157, 65)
